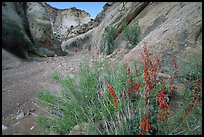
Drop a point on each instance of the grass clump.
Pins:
(132, 35)
(42, 52)
(108, 38)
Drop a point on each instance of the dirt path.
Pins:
(21, 79)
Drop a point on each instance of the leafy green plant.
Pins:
(108, 38)
(119, 99)
(40, 51)
(132, 35)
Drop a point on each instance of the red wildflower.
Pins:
(113, 94)
(166, 108)
(136, 87)
(145, 49)
(147, 92)
(142, 132)
(145, 125)
(115, 102)
(189, 110)
(147, 82)
(197, 97)
(194, 104)
(130, 89)
(146, 98)
(111, 90)
(128, 72)
(150, 87)
(130, 80)
(142, 125)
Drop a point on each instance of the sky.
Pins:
(93, 8)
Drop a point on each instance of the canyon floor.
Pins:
(22, 79)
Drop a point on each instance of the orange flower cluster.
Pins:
(150, 69)
(145, 125)
(196, 89)
(115, 100)
(133, 85)
(164, 106)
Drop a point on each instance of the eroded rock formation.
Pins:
(39, 24)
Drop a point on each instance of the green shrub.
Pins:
(122, 100)
(40, 51)
(108, 38)
(132, 35)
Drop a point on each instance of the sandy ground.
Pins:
(21, 79)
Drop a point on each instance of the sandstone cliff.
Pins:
(167, 29)
(38, 24)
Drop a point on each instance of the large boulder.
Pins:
(14, 36)
(77, 43)
(41, 28)
(9, 60)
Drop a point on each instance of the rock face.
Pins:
(77, 43)
(37, 23)
(94, 26)
(167, 29)
(40, 25)
(48, 24)
(15, 30)
(63, 20)
(164, 27)
(177, 31)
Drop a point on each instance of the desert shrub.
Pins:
(108, 38)
(132, 35)
(135, 100)
(191, 66)
(40, 51)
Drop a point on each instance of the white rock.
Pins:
(32, 127)
(71, 69)
(16, 123)
(4, 127)
(19, 116)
